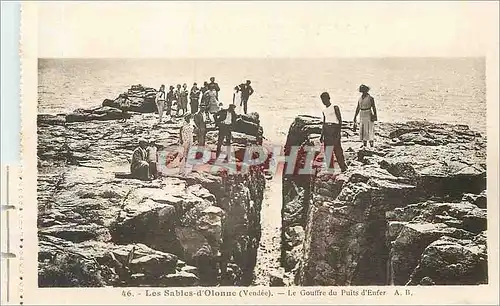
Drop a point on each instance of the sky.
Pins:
(265, 29)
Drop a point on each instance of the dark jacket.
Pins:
(170, 97)
(221, 115)
(246, 91)
(199, 121)
(214, 85)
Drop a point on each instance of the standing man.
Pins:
(215, 86)
(178, 99)
(160, 101)
(204, 88)
(194, 97)
(201, 125)
(205, 97)
(246, 92)
(183, 99)
(225, 120)
(330, 134)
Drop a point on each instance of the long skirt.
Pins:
(366, 126)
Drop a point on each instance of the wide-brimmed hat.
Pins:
(232, 106)
(142, 140)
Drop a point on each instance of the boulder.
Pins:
(91, 263)
(451, 261)
(480, 200)
(248, 127)
(413, 238)
(142, 99)
(251, 117)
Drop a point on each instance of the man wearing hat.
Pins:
(194, 97)
(246, 92)
(139, 166)
(225, 120)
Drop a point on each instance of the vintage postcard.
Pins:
(258, 153)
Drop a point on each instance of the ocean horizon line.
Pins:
(269, 58)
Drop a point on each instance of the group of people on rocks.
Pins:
(332, 123)
(142, 165)
(204, 108)
(205, 97)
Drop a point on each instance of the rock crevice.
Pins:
(407, 212)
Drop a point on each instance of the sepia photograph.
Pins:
(135, 186)
(208, 154)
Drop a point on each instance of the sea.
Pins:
(450, 90)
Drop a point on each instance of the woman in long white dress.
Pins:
(367, 116)
(237, 99)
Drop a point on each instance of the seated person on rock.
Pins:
(139, 166)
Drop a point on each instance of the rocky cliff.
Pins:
(411, 211)
(96, 229)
